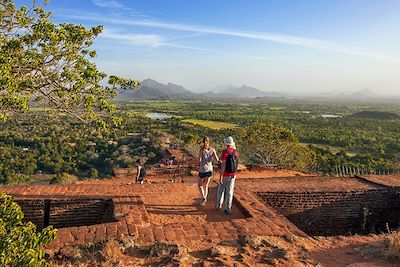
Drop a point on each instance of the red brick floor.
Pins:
(253, 217)
(134, 217)
(387, 180)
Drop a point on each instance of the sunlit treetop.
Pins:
(50, 63)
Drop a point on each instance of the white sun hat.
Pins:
(229, 141)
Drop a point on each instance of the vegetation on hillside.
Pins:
(375, 115)
(358, 142)
(20, 243)
(64, 144)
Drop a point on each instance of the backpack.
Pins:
(232, 161)
(142, 172)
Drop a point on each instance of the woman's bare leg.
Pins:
(206, 181)
(201, 189)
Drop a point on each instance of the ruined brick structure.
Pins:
(337, 213)
(66, 212)
(292, 206)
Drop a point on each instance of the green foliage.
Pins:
(364, 143)
(375, 115)
(20, 245)
(265, 143)
(64, 179)
(51, 64)
(64, 144)
(93, 173)
(15, 178)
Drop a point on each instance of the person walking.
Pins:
(141, 172)
(206, 156)
(230, 160)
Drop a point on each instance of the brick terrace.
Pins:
(134, 220)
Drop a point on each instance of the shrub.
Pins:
(16, 178)
(20, 244)
(64, 179)
(93, 173)
(393, 244)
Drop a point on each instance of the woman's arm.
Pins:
(216, 158)
(200, 154)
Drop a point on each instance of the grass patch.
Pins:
(43, 178)
(333, 149)
(277, 108)
(215, 125)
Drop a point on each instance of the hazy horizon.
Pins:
(282, 46)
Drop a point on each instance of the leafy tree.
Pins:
(20, 244)
(265, 143)
(50, 63)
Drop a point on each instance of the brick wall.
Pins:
(79, 212)
(33, 210)
(67, 212)
(394, 216)
(336, 213)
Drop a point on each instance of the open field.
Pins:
(215, 125)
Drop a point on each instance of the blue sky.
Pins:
(297, 46)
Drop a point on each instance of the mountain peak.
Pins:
(365, 92)
(152, 89)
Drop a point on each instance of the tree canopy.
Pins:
(266, 143)
(50, 63)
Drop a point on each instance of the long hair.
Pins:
(206, 142)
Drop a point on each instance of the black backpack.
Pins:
(232, 161)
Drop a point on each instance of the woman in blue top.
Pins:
(206, 156)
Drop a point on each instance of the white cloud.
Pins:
(108, 4)
(159, 41)
(269, 37)
(211, 51)
(151, 39)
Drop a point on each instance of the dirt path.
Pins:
(183, 206)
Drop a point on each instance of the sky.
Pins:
(288, 46)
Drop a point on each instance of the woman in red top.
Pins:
(229, 158)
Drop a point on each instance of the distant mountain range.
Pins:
(243, 91)
(151, 89)
(361, 94)
(154, 90)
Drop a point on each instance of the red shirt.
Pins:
(224, 156)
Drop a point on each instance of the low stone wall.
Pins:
(337, 213)
(67, 212)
